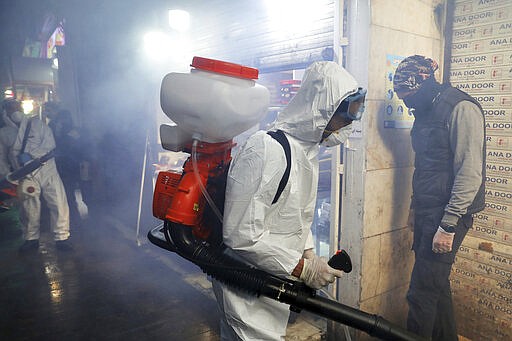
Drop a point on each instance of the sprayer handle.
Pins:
(341, 261)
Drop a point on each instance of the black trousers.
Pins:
(431, 312)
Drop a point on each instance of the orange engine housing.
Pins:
(165, 187)
(178, 197)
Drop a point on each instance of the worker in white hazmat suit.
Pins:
(33, 140)
(277, 237)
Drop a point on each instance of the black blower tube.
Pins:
(217, 263)
(28, 168)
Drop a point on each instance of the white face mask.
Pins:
(337, 137)
(17, 116)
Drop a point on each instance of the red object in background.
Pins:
(8, 192)
(289, 88)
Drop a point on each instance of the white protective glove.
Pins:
(443, 241)
(316, 273)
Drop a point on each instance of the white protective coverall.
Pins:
(45, 180)
(274, 237)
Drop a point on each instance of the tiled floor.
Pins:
(108, 288)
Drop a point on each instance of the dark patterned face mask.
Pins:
(412, 72)
(423, 98)
(413, 101)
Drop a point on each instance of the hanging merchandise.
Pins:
(289, 88)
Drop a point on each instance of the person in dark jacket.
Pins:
(68, 156)
(448, 138)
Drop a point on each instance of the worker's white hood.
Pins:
(324, 86)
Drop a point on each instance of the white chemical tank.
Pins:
(216, 101)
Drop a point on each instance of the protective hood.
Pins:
(324, 86)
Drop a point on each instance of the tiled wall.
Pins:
(480, 65)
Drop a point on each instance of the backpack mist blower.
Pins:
(211, 105)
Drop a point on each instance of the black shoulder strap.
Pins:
(25, 137)
(280, 137)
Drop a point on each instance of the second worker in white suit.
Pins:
(33, 140)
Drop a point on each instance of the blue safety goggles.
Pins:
(352, 107)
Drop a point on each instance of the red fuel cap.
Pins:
(225, 68)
